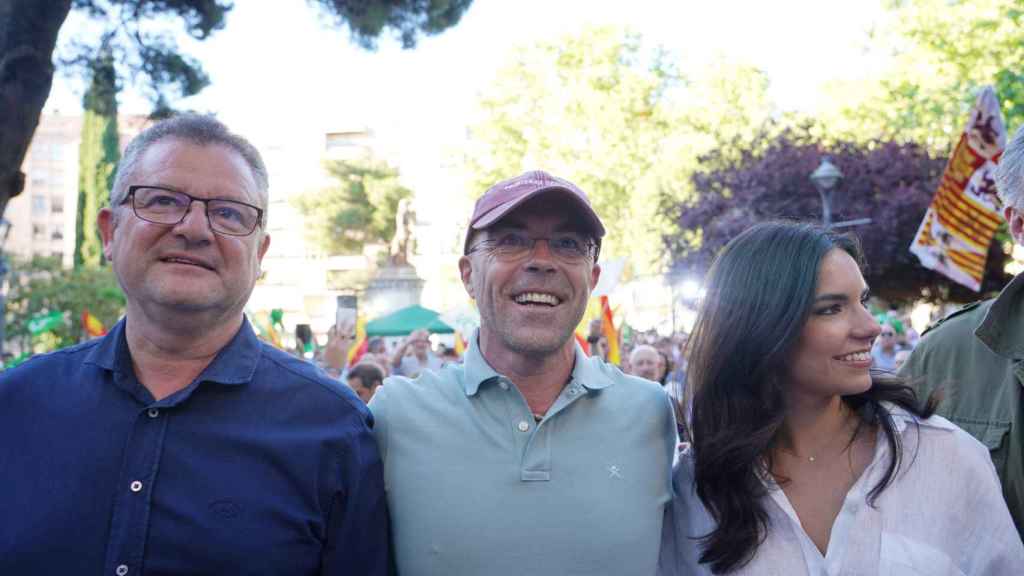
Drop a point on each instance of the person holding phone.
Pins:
(414, 355)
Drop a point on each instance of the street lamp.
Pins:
(5, 229)
(825, 178)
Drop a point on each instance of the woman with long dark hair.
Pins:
(802, 460)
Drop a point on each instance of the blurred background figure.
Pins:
(364, 378)
(414, 356)
(884, 350)
(646, 362)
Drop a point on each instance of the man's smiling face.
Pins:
(186, 266)
(530, 305)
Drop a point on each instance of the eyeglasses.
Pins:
(568, 248)
(887, 333)
(165, 206)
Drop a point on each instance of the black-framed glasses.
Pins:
(165, 206)
(569, 248)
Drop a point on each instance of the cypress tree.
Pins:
(98, 155)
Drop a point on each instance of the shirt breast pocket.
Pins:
(991, 433)
(904, 556)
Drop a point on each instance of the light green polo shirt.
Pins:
(476, 486)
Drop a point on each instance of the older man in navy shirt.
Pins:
(179, 443)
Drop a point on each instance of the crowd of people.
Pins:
(180, 443)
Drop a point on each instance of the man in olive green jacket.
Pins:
(976, 355)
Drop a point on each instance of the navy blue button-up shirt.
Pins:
(263, 465)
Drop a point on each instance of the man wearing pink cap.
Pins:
(530, 457)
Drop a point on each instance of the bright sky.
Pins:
(282, 71)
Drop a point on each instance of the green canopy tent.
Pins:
(404, 321)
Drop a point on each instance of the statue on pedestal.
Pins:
(403, 243)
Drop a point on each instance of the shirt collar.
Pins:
(234, 364)
(901, 418)
(1001, 329)
(588, 371)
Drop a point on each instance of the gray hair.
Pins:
(641, 348)
(195, 129)
(1009, 173)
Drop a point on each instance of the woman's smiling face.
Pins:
(833, 354)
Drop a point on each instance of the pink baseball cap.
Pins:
(505, 196)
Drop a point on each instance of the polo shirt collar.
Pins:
(586, 370)
(234, 364)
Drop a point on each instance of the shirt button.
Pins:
(573, 391)
(524, 426)
(135, 487)
(153, 412)
(503, 385)
(122, 570)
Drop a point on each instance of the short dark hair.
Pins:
(195, 129)
(370, 375)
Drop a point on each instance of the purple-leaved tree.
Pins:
(890, 182)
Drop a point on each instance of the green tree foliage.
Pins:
(42, 285)
(143, 49)
(98, 155)
(408, 19)
(616, 117)
(359, 209)
(936, 54)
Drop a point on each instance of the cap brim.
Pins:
(499, 212)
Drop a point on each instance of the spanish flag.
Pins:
(92, 325)
(609, 331)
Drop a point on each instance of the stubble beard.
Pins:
(532, 342)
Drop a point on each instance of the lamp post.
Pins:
(5, 229)
(825, 177)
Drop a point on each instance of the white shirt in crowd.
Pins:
(944, 514)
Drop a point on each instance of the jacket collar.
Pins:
(1002, 328)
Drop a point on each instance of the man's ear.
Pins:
(466, 272)
(595, 275)
(107, 222)
(1015, 220)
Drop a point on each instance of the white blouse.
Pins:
(943, 515)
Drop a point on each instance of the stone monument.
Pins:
(396, 284)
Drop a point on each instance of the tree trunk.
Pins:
(28, 36)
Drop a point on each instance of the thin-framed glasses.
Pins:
(569, 248)
(165, 206)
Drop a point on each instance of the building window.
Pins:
(57, 204)
(58, 234)
(38, 230)
(39, 204)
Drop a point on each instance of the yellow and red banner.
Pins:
(92, 325)
(361, 344)
(958, 227)
(610, 333)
